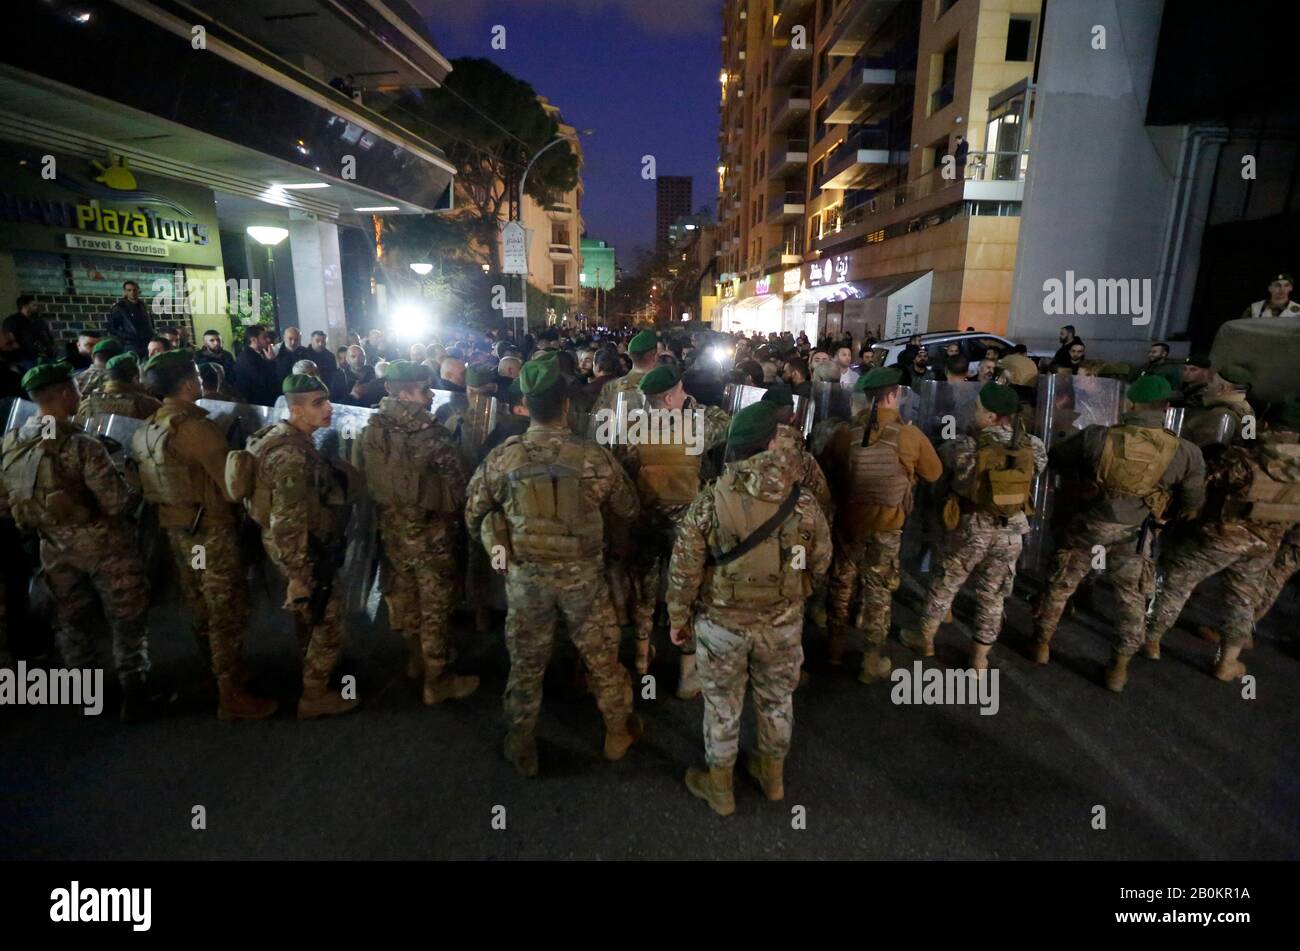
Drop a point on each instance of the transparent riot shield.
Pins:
(738, 395)
(944, 410)
(239, 420)
(447, 402)
(1174, 416)
(116, 432)
(346, 423)
(19, 412)
(335, 442)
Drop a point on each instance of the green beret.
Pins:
(779, 395)
(752, 426)
(109, 345)
(404, 371)
(642, 342)
(878, 378)
(1150, 388)
(659, 380)
(538, 376)
(999, 399)
(122, 359)
(46, 374)
(1201, 360)
(302, 383)
(480, 374)
(1236, 374)
(169, 358)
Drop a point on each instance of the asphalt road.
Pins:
(1184, 766)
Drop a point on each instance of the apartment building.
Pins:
(837, 209)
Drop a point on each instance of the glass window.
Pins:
(1019, 36)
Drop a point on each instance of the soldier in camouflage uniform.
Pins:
(872, 478)
(1223, 409)
(1285, 564)
(1137, 467)
(993, 488)
(749, 551)
(417, 479)
(182, 459)
(1252, 502)
(91, 379)
(791, 440)
(644, 351)
(668, 473)
(120, 395)
(60, 482)
(540, 501)
(299, 500)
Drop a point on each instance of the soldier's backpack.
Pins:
(751, 554)
(1273, 494)
(243, 472)
(41, 494)
(1004, 474)
(165, 481)
(1133, 460)
(398, 471)
(668, 475)
(549, 515)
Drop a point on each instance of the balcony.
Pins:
(849, 34)
(785, 255)
(787, 157)
(788, 61)
(856, 157)
(788, 206)
(560, 251)
(789, 106)
(559, 211)
(867, 81)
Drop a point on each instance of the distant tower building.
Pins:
(673, 199)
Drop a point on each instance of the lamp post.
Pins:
(519, 205)
(269, 237)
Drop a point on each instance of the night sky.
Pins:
(642, 73)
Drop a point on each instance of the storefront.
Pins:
(834, 300)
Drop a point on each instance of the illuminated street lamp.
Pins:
(269, 237)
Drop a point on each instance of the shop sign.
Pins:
(763, 286)
(790, 281)
(831, 271)
(147, 249)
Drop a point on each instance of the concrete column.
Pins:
(318, 278)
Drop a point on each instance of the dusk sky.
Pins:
(642, 73)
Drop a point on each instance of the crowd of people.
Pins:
(739, 534)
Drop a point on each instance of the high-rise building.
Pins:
(845, 203)
(673, 198)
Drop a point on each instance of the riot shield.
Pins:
(19, 412)
(239, 420)
(737, 396)
(446, 398)
(346, 423)
(1174, 416)
(116, 431)
(943, 410)
(832, 401)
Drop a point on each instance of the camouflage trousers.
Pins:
(1131, 575)
(420, 568)
(987, 554)
(655, 551)
(766, 658)
(872, 566)
(320, 644)
(1285, 564)
(1244, 562)
(214, 590)
(99, 560)
(540, 594)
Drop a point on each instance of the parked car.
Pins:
(974, 345)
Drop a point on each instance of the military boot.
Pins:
(1151, 649)
(1117, 671)
(619, 741)
(1209, 633)
(838, 640)
(414, 658)
(768, 770)
(714, 786)
(319, 701)
(920, 641)
(979, 657)
(139, 703)
(1227, 667)
(448, 686)
(521, 751)
(874, 666)
(236, 704)
(688, 684)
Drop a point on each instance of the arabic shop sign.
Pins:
(830, 271)
(790, 281)
(762, 286)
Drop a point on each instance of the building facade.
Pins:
(674, 195)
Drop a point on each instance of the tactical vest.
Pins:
(1003, 476)
(164, 478)
(1133, 461)
(42, 494)
(322, 493)
(399, 471)
(104, 403)
(1273, 494)
(876, 474)
(761, 577)
(549, 516)
(668, 475)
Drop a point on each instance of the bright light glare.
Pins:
(421, 268)
(411, 321)
(267, 235)
(721, 354)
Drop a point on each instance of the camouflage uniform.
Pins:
(608, 397)
(1217, 420)
(305, 526)
(90, 380)
(215, 593)
(1242, 550)
(811, 477)
(984, 544)
(116, 398)
(1115, 522)
(76, 500)
(739, 640)
(1285, 564)
(421, 537)
(539, 588)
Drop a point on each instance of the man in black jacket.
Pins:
(31, 333)
(291, 351)
(1068, 339)
(255, 370)
(129, 320)
(213, 352)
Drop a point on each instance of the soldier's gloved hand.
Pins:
(298, 594)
